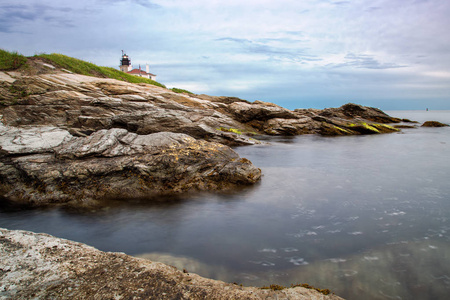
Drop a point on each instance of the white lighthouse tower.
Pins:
(125, 63)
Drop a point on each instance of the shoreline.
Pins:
(41, 266)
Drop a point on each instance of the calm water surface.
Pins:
(365, 216)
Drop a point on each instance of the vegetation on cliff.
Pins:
(86, 68)
(181, 91)
(11, 60)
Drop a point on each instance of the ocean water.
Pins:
(365, 216)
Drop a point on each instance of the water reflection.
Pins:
(402, 270)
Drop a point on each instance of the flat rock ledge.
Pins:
(40, 266)
(46, 165)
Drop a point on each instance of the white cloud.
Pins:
(438, 74)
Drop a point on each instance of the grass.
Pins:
(86, 68)
(181, 91)
(11, 60)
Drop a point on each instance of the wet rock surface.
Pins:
(40, 266)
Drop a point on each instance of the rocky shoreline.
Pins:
(40, 266)
(72, 139)
(69, 139)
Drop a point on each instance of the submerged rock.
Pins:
(113, 163)
(41, 266)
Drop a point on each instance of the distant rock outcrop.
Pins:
(352, 111)
(433, 124)
(40, 266)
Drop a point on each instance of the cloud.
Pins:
(364, 61)
(236, 40)
(12, 15)
(341, 3)
(147, 4)
(262, 46)
(144, 3)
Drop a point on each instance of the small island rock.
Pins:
(434, 124)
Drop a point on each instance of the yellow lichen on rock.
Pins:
(233, 130)
(385, 128)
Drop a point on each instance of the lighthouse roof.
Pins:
(139, 72)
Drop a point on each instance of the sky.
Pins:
(391, 54)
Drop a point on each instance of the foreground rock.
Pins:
(44, 165)
(40, 266)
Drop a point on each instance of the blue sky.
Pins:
(391, 54)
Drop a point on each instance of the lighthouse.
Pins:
(125, 63)
(125, 66)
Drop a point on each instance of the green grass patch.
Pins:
(181, 91)
(86, 68)
(11, 60)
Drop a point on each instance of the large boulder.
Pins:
(356, 111)
(280, 126)
(56, 167)
(260, 111)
